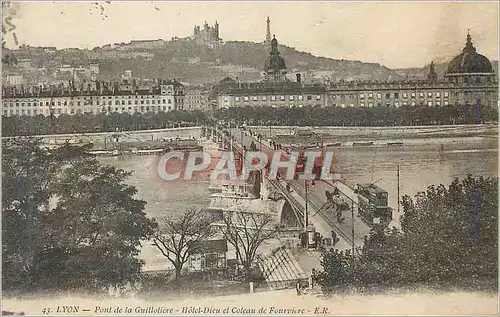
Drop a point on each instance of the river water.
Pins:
(423, 162)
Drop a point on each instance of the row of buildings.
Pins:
(103, 97)
(469, 79)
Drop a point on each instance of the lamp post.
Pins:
(306, 211)
(352, 224)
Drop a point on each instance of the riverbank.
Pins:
(345, 134)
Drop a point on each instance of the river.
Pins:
(423, 162)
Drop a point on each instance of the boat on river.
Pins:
(394, 143)
(362, 143)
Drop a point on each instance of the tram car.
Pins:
(373, 205)
(301, 162)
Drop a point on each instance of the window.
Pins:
(318, 97)
(170, 101)
(264, 98)
(302, 97)
(438, 94)
(362, 104)
(136, 102)
(413, 95)
(438, 103)
(446, 94)
(290, 97)
(254, 98)
(379, 96)
(362, 96)
(370, 95)
(273, 98)
(413, 103)
(446, 102)
(429, 103)
(387, 95)
(164, 101)
(370, 104)
(282, 98)
(429, 94)
(309, 97)
(422, 94)
(237, 98)
(396, 95)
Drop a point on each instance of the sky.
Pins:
(394, 34)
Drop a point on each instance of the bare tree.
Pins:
(246, 232)
(177, 239)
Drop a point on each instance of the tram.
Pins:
(301, 163)
(373, 204)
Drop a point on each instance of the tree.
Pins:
(177, 238)
(337, 272)
(246, 232)
(449, 237)
(69, 222)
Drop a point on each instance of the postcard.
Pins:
(249, 158)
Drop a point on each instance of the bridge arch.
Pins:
(287, 216)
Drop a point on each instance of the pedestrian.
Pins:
(297, 288)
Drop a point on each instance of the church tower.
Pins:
(275, 68)
(432, 76)
(268, 32)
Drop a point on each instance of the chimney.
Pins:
(299, 78)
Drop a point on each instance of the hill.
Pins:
(188, 61)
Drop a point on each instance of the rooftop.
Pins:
(211, 246)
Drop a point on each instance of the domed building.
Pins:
(274, 67)
(470, 67)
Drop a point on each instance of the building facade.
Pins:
(208, 255)
(209, 35)
(275, 95)
(94, 98)
(196, 98)
(468, 80)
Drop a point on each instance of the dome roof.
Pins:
(274, 63)
(469, 61)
